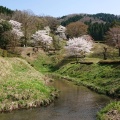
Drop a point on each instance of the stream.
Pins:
(74, 103)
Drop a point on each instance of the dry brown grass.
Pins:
(5, 67)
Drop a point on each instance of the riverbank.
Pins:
(103, 79)
(21, 86)
(110, 112)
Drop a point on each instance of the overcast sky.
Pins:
(58, 8)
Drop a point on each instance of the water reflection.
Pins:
(74, 103)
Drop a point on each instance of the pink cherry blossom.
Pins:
(78, 46)
(16, 28)
(43, 38)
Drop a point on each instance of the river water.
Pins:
(74, 103)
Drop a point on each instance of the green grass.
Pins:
(47, 63)
(102, 78)
(21, 86)
(29, 90)
(111, 110)
(42, 63)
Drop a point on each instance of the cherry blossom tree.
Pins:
(27, 18)
(42, 39)
(78, 47)
(16, 28)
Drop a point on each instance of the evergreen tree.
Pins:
(4, 27)
(5, 10)
(71, 19)
(98, 30)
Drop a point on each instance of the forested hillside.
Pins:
(98, 24)
(100, 17)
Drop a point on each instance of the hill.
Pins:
(21, 86)
(98, 24)
(92, 18)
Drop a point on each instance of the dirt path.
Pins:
(29, 53)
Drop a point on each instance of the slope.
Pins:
(21, 86)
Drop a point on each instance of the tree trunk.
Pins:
(105, 53)
(104, 56)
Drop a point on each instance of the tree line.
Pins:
(30, 24)
(6, 10)
(18, 29)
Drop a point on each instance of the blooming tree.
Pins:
(16, 28)
(78, 47)
(44, 40)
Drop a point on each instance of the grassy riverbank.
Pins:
(21, 86)
(100, 78)
(104, 79)
(110, 112)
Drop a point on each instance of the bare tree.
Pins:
(40, 23)
(105, 53)
(12, 40)
(27, 19)
(113, 37)
(76, 29)
(52, 23)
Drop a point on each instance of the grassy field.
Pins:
(21, 86)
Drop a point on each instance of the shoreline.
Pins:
(110, 110)
(9, 107)
(86, 84)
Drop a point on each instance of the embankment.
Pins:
(21, 86)
(102, 78)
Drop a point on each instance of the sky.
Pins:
(59, 8)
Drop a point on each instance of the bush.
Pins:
(4, 53)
